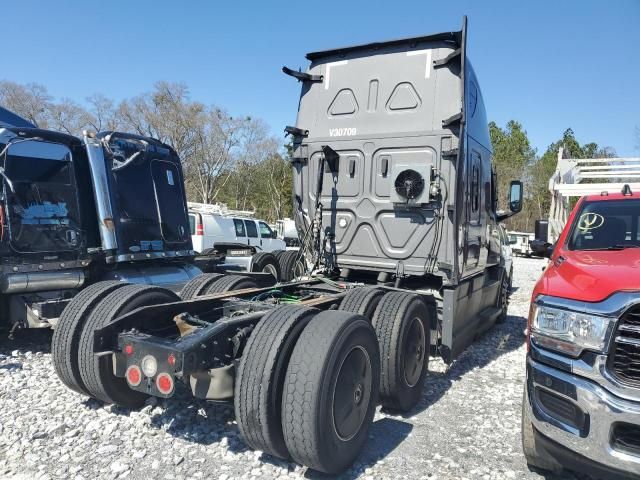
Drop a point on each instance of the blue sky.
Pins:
(548, 64)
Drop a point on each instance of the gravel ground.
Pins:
(468, 425)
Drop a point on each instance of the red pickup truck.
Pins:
(581, 405)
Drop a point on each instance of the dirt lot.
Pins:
(467, 426)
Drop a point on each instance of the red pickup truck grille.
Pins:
(625, 361)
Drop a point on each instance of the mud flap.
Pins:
(467, 311)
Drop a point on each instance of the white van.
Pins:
(216, 225)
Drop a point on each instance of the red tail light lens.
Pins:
(134, 375)
(164, 383)
(128, 349)
(199, 229)
(171, 360)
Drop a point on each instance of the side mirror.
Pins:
(274, 234)
(515, 196)
(541, 248)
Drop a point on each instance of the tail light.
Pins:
(199, 228)
(133, 375)
(171, 360)
(164, 383)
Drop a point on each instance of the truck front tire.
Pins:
(330, 391)
(402, 322)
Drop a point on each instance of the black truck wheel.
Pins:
(198, 285)
(266, 262)
(362, 301)
(503, 299)
(261, 374)
(532, 453)
(277, 253)
(230, 282)
(330, 391)
(290, 265)
(402, 324)
(97, 372)
(66, 335)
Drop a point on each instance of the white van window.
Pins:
(192, 224)
(239, 228)
(252, 231)
(265, 230)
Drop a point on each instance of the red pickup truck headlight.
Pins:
(570, 332)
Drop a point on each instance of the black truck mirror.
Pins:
(541, 248)
(515, 196)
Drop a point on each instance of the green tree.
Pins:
(513, 155)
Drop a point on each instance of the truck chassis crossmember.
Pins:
(205, 343)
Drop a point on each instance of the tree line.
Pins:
(235, 160)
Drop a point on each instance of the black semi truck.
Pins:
(396, 205)
(108, 207)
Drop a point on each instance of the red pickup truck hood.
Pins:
(592, 276)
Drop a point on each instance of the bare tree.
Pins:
(68, 117)
(216, 151)
(167, 114)
(30, 101)
(102, 113)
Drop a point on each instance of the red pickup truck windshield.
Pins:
(606, 225)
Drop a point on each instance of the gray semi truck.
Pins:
(396, 205)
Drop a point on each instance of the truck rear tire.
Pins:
(230, 282)
(260, 377)
(402, 324)
(290, 266)
(330, 391)
(362, 301)
(198, 285)
(534, 457)
(66, 335)
(97, 372)
(266, 262)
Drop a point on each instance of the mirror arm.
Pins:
(503, 216)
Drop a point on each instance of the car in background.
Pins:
(216, 226)
(581, 405)
(520, 243)
(245, 243)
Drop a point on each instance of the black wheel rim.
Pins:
(414, 352)
(351, 394)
